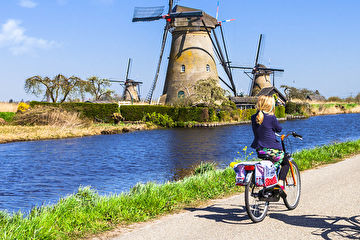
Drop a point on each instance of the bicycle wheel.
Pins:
(255, 208)
(293, 186)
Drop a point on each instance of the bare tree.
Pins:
(97, 87)
(56, 89)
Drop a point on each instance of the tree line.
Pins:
(61, 88)
(304, 93)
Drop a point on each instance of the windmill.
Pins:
(260, 78)
(192, 49)
(131, 87)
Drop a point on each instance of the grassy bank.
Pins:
(315, 108)
(10, 133)
(86, 212)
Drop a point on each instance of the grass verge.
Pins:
(86, 212)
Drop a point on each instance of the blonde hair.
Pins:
(265, 104)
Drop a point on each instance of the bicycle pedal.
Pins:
(282, 193)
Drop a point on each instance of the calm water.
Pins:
(35, 173)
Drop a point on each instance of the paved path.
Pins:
(329, 209)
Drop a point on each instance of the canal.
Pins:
(40, 172)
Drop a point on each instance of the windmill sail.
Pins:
(146, 14)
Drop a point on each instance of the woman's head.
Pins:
(265, 104)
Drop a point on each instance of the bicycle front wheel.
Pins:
(292, 186)
(255, 208)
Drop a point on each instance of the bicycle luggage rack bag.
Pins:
(265, 173)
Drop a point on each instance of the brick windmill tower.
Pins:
(192, 55)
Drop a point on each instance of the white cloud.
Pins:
(12, 36)
(27, 3)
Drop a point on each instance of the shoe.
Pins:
(282, 192)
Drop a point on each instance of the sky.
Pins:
(316, 42)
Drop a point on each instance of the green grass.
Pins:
(87, 212)
(350, 105)
(329, 105)
(7, 116)
(309, 158)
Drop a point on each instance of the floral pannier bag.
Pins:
(265, 173)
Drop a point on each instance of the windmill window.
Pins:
(207, 67)
(182, 68)
(181, 94)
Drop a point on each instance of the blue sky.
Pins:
(316, 42)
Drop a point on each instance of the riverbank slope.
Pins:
(16, 133)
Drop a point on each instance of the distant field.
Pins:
(8, 107)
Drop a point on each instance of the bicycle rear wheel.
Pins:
(292, 186)
(255, 208)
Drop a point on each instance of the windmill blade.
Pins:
(225, 21)
(258, 51)
(128, 69)
(239, 67)
(151, 92)
(271, 69)
(145, 14)
(117, 81)
(220, 56)
(170, 6)
(217, 9)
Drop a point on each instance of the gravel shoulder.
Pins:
(329, 209)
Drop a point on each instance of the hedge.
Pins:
(104, 111)
(95, 111)
(182, 114)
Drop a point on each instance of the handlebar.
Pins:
(297, 135)
(294, 134)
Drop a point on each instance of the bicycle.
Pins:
(257, 198)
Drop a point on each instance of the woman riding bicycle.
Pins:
(265, 125)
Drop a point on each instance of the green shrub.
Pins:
(296, 108)
(280, 112)
(94, 111)
(246, 114)
(159, 119)
(7, 116)
(224, 116)
(189, 114)
(290, 108)
(137, 112)
(235, 115)
(212, 115)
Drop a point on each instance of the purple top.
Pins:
(264, 134)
